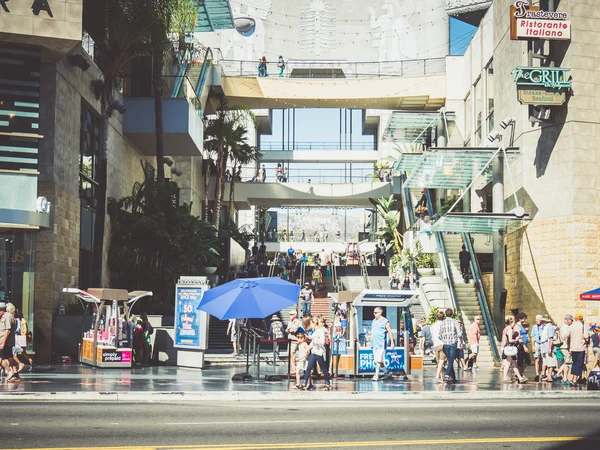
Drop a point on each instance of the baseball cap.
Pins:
(2, 305)
(579, 316)
(568, 317)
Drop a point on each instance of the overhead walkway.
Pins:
(420, 86)
(268, 195)
(320, 155)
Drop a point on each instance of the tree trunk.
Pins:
(206, 186)
(231, 189)
(158, 116)
(219, 191)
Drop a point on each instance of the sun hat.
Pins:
(546, 318)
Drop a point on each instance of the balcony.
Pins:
(182, 124)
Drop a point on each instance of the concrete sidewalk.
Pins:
(76, 382)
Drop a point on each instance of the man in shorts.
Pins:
(232, 330)
(7, 342)
(438, 346)
(564, 370)
(536, 337)
(380, 331)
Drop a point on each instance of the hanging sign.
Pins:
(540, 96)
(529, 22)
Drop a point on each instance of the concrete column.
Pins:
(498, 238)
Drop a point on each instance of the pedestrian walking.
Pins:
(306, 299)
(536, 336)
(303, 237)
(22, 337)
(276, 332)
(595, 338)
(565, 368)
(232, 331)
(317, 354)
(300, 358)
(438, 346)
(473, 340)
(381, 331)
(449, 335)
(7, 342)
(281, 66)
(548, 351)
(465, 260)
(578, 338)
(292, 333)
(510, 343)
(523, 359)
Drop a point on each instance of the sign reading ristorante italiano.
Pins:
(36, 7)
(529, 22)
(547, 77)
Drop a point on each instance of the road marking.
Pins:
(312, 445)
(251, 422)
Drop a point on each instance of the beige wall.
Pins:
(557, 179)
(59, 33)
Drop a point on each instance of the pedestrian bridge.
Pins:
(412, 85)
(269, 195)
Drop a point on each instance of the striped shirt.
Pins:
(449, 331)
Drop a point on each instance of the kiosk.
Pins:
(108, 343)
(396, 308)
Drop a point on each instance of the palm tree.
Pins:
(223, 132)
(241, 155)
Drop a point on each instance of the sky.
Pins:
(460, 36)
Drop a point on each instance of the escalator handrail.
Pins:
(446, 268)
(407, 202)
(179, 79)
(204, 72)
(490, 324)
(429, 204)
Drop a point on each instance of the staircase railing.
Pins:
(445, 266)
(490, 324)
(334, 277)
(274, 265)
(363, 270)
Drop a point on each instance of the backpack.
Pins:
(557, 340)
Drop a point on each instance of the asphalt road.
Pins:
(523, 424)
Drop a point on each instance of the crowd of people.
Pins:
(568, 354)
(14, 337)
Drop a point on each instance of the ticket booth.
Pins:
(396, 308)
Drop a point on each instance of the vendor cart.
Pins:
(109, 342)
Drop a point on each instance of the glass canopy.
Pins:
(412, 127)
(214, 15)
(453, 168)
(407, 162)
(482, 223)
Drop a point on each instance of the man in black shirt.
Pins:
(465, 260)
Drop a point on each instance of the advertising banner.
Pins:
(113, 355)
(187, 318)
(394, 360)
(541, 96)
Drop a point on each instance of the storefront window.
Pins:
(17, 252)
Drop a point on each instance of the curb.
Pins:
(228, 396)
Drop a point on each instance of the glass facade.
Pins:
(17, 275)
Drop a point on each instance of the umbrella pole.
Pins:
(247, 345)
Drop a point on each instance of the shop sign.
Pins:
(36, 7)
(394, 360)
(111, 355)
(187, 318)
(529, 22)
(546, 77)
(541, 96)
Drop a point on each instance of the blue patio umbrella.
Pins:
(249, 298)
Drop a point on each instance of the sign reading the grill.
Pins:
(529, 22)
(547, 77)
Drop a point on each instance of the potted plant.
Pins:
(426, 264)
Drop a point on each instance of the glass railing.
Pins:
(337, 69)
(488, 319)
(141, 87)
(445, 265)
(319, 176)
(281, 146)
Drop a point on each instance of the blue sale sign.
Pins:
(394, 360)
(187, 318)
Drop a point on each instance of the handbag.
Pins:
(510, 350)
(21, 340)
